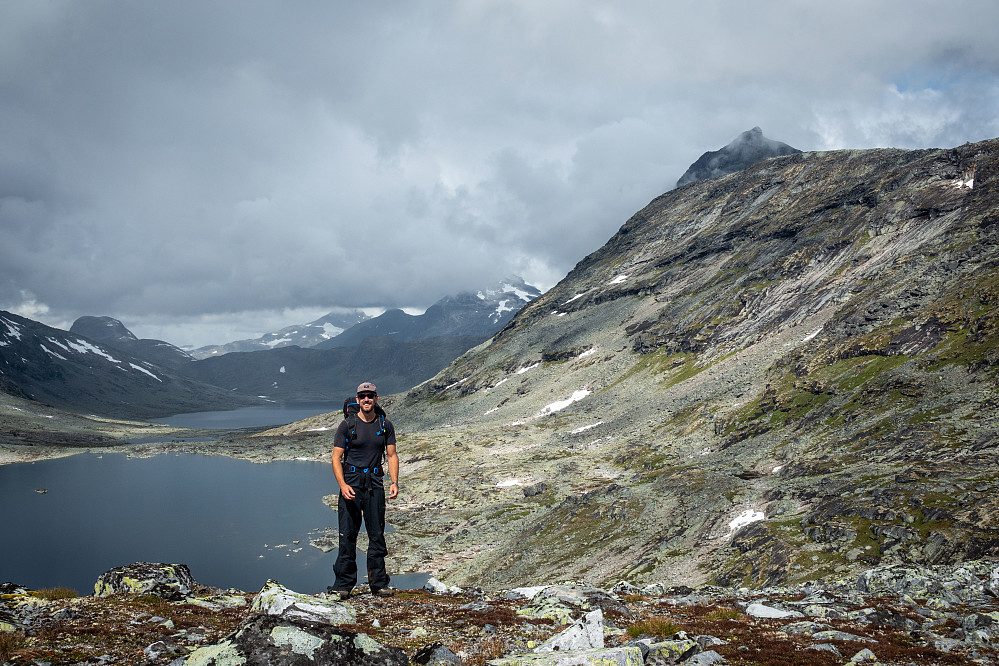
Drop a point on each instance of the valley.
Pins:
(778, 375)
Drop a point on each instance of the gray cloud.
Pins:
(200, 169)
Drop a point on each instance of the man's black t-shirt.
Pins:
(366, 450)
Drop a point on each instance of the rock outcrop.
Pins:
(167, 581)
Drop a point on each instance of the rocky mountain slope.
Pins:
(775, 375)
(745, 150)
(111, 332)
(75, 373)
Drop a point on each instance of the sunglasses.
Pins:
(367, 396)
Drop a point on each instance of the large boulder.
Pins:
(587, 633)
(172, 582)
(294, 629)
(275, 599)
(273, 641)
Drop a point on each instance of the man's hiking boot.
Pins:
(342, 595)
(383, 592)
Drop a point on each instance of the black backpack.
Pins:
(350, 410)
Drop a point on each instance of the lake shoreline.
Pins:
(225, 516)
(47, 437)
(31, 431)
(244, 448)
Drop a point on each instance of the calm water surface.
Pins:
(251, 417)
(233, 522)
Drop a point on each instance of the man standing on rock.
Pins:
(357, 464)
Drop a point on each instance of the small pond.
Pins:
(233, 522)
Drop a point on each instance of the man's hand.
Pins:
(393, 491)
(347, 491)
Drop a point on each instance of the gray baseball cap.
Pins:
(367, 386)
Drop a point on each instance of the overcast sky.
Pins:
(210, 171)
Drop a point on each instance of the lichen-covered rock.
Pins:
(944, 586)
(21, 609)
(7, 621)
(865, 656)
(217, 601)
(705, 659)
(765, 611)
(981, 627)
(566, 602)
(548, 608)
(272, 641)
(172, 582)
(672, 651)
(275, 599)
(615, 656)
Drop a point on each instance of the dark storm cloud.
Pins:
(205, 171)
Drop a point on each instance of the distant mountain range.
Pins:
(745, 150)
(301, 335)
(466, 314)
(100, 366)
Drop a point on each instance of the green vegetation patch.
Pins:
(54, 593)
(836, 392)
(852, 373)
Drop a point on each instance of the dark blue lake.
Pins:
(233, 522)
(250, 417)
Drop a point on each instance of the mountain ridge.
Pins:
(417, 347)
(111, 332)
(74, 373)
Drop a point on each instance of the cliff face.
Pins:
(778, 374)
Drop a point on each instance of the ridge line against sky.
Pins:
(209, 172)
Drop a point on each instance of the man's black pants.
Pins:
(369, 504)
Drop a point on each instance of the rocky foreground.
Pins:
(158, 614)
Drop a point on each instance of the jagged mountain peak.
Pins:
(505, 298)
(481, 313)
(745, 150)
